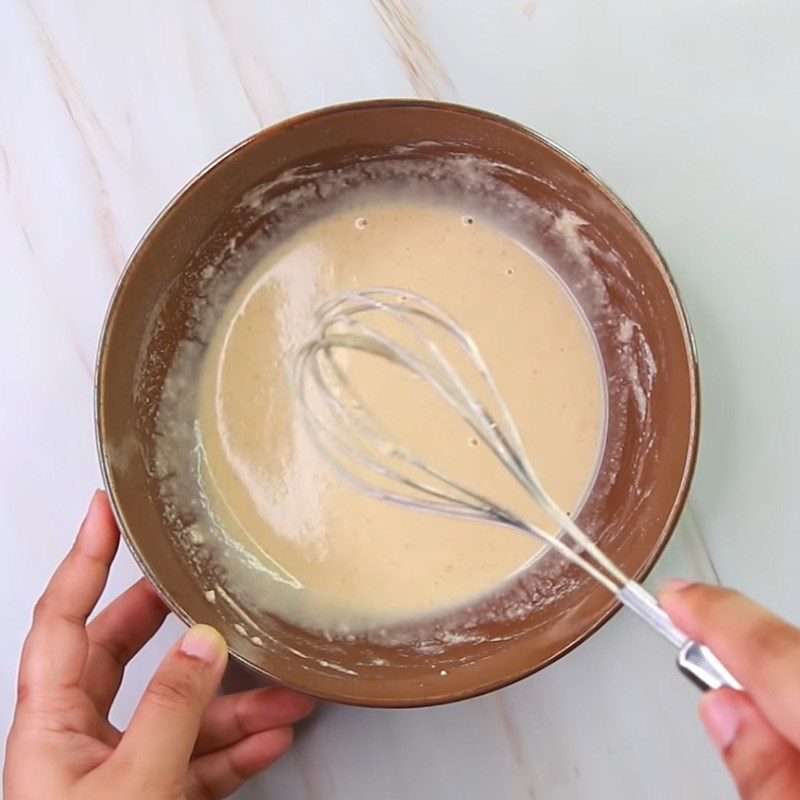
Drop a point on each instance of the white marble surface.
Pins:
(690, 110)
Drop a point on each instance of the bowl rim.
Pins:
(670, 523)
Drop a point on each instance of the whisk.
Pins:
(361, 452)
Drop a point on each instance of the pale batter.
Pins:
(320, 554)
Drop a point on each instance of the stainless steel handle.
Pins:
(703, 668)
(695, 660)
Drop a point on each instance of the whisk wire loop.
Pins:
(349, 435)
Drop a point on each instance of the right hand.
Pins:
(756, 731)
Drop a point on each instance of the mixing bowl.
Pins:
(589, 238)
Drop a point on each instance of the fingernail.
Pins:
(91, 505)
(91, 543)
(722, 719)
(203, 643)
(676, 584)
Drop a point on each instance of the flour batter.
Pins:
(308, 548)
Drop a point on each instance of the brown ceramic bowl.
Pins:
(648, 358)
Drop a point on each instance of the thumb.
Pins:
(763, 764)
(159, 741)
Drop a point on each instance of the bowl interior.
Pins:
(586, 235)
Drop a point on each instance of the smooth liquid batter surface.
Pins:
(305, 546)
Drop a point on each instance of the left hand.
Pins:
(181, 742)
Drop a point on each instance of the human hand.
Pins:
(181, 742)
(756, 731)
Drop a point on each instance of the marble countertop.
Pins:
(691, 111)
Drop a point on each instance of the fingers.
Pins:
(55, 650)
(221, 773)
(160, 739)
(762, 651)
(116, 636)
(763, 764)
(234, 717)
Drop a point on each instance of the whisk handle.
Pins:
(695, 660)
(703, 668)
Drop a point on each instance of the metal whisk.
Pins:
(359, 449)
